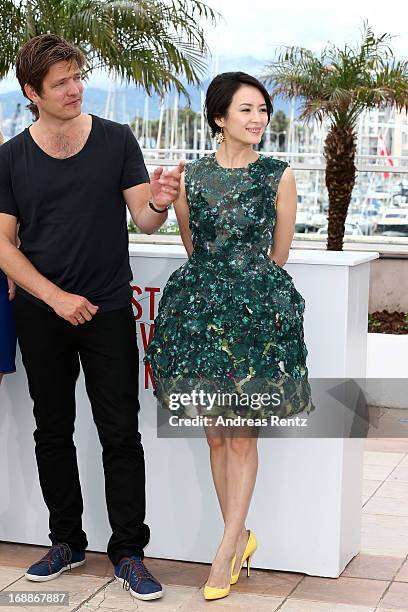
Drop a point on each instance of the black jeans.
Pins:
(52, 349)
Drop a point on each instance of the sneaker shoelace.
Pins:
(138, 569)
(63, 550)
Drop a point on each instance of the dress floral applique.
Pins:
(230, 319)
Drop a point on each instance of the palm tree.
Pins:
(148, 42)
(338, 85)
(279, 125)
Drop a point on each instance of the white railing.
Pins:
(164, 157)
(387, 245)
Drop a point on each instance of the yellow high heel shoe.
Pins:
(214, 592)
(248, 552)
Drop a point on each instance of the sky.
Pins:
(259, 27)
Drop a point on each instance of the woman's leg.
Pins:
(238, 452)
(242, 468)
(218, 461)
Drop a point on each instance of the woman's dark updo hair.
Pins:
(221, 91)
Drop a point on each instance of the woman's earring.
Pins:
(219, 136)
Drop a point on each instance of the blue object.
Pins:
(58, 559)
(137, 579)
(7, 329)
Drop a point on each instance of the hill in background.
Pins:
(129, 101)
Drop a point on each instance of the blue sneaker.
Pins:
(58, 559)
(137, 579)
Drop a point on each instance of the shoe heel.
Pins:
(248, 563)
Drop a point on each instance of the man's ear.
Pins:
(30, 92)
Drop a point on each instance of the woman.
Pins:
(231, 317)
(7, 326)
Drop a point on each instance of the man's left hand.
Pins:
(165, 184)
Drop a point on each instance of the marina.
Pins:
(379, 204)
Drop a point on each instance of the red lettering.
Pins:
(137, 292)
(145, 342)
(152, 291)
(135, 303)
(148, 376)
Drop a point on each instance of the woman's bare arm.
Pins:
(183, 217)
(286, 204)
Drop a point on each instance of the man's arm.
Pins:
(162, 190)
(74, 308)
(10, 282)
(137, 200)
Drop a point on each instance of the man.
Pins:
(66, 180)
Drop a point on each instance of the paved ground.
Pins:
(376, 580)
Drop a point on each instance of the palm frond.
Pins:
(339, 82)
(153, 43)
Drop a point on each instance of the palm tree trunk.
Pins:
(339, 152)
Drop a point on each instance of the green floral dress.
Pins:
(230, 320)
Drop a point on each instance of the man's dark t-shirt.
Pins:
(72, 213)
